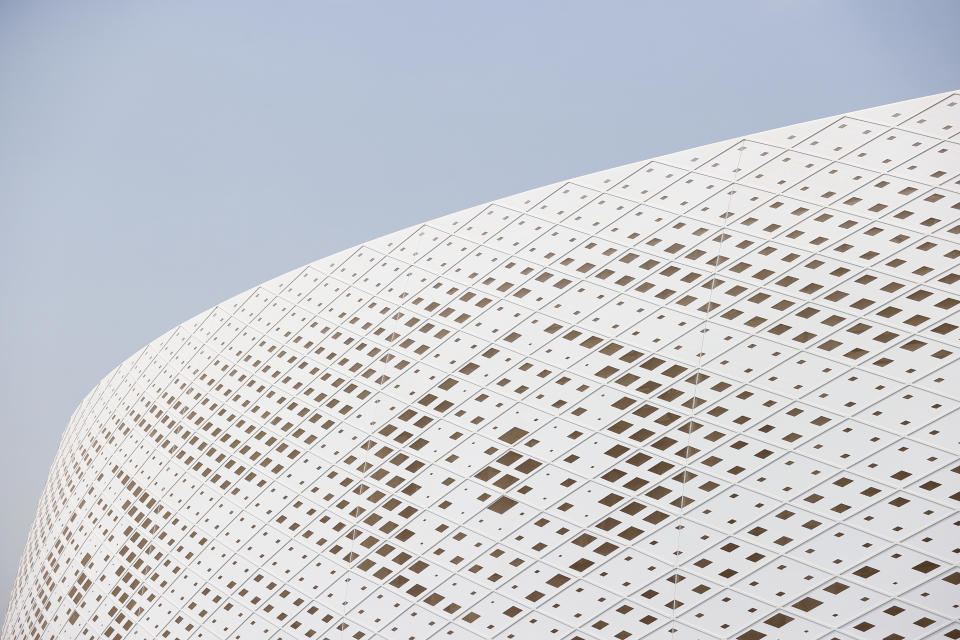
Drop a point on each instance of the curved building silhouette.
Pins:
(707, 395)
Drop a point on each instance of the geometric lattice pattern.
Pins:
(708, 395)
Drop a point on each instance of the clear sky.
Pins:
(158, 157)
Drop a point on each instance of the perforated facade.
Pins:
(708, 395)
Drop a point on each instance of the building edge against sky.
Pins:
(707, 395)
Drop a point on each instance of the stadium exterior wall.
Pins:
(707, 395)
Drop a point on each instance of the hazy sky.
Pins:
(158, 157)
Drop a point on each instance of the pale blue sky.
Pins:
(158, 157)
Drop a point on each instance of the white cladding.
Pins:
(707, 395)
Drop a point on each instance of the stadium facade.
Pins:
(707, 395)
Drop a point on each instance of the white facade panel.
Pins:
(707, 395)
